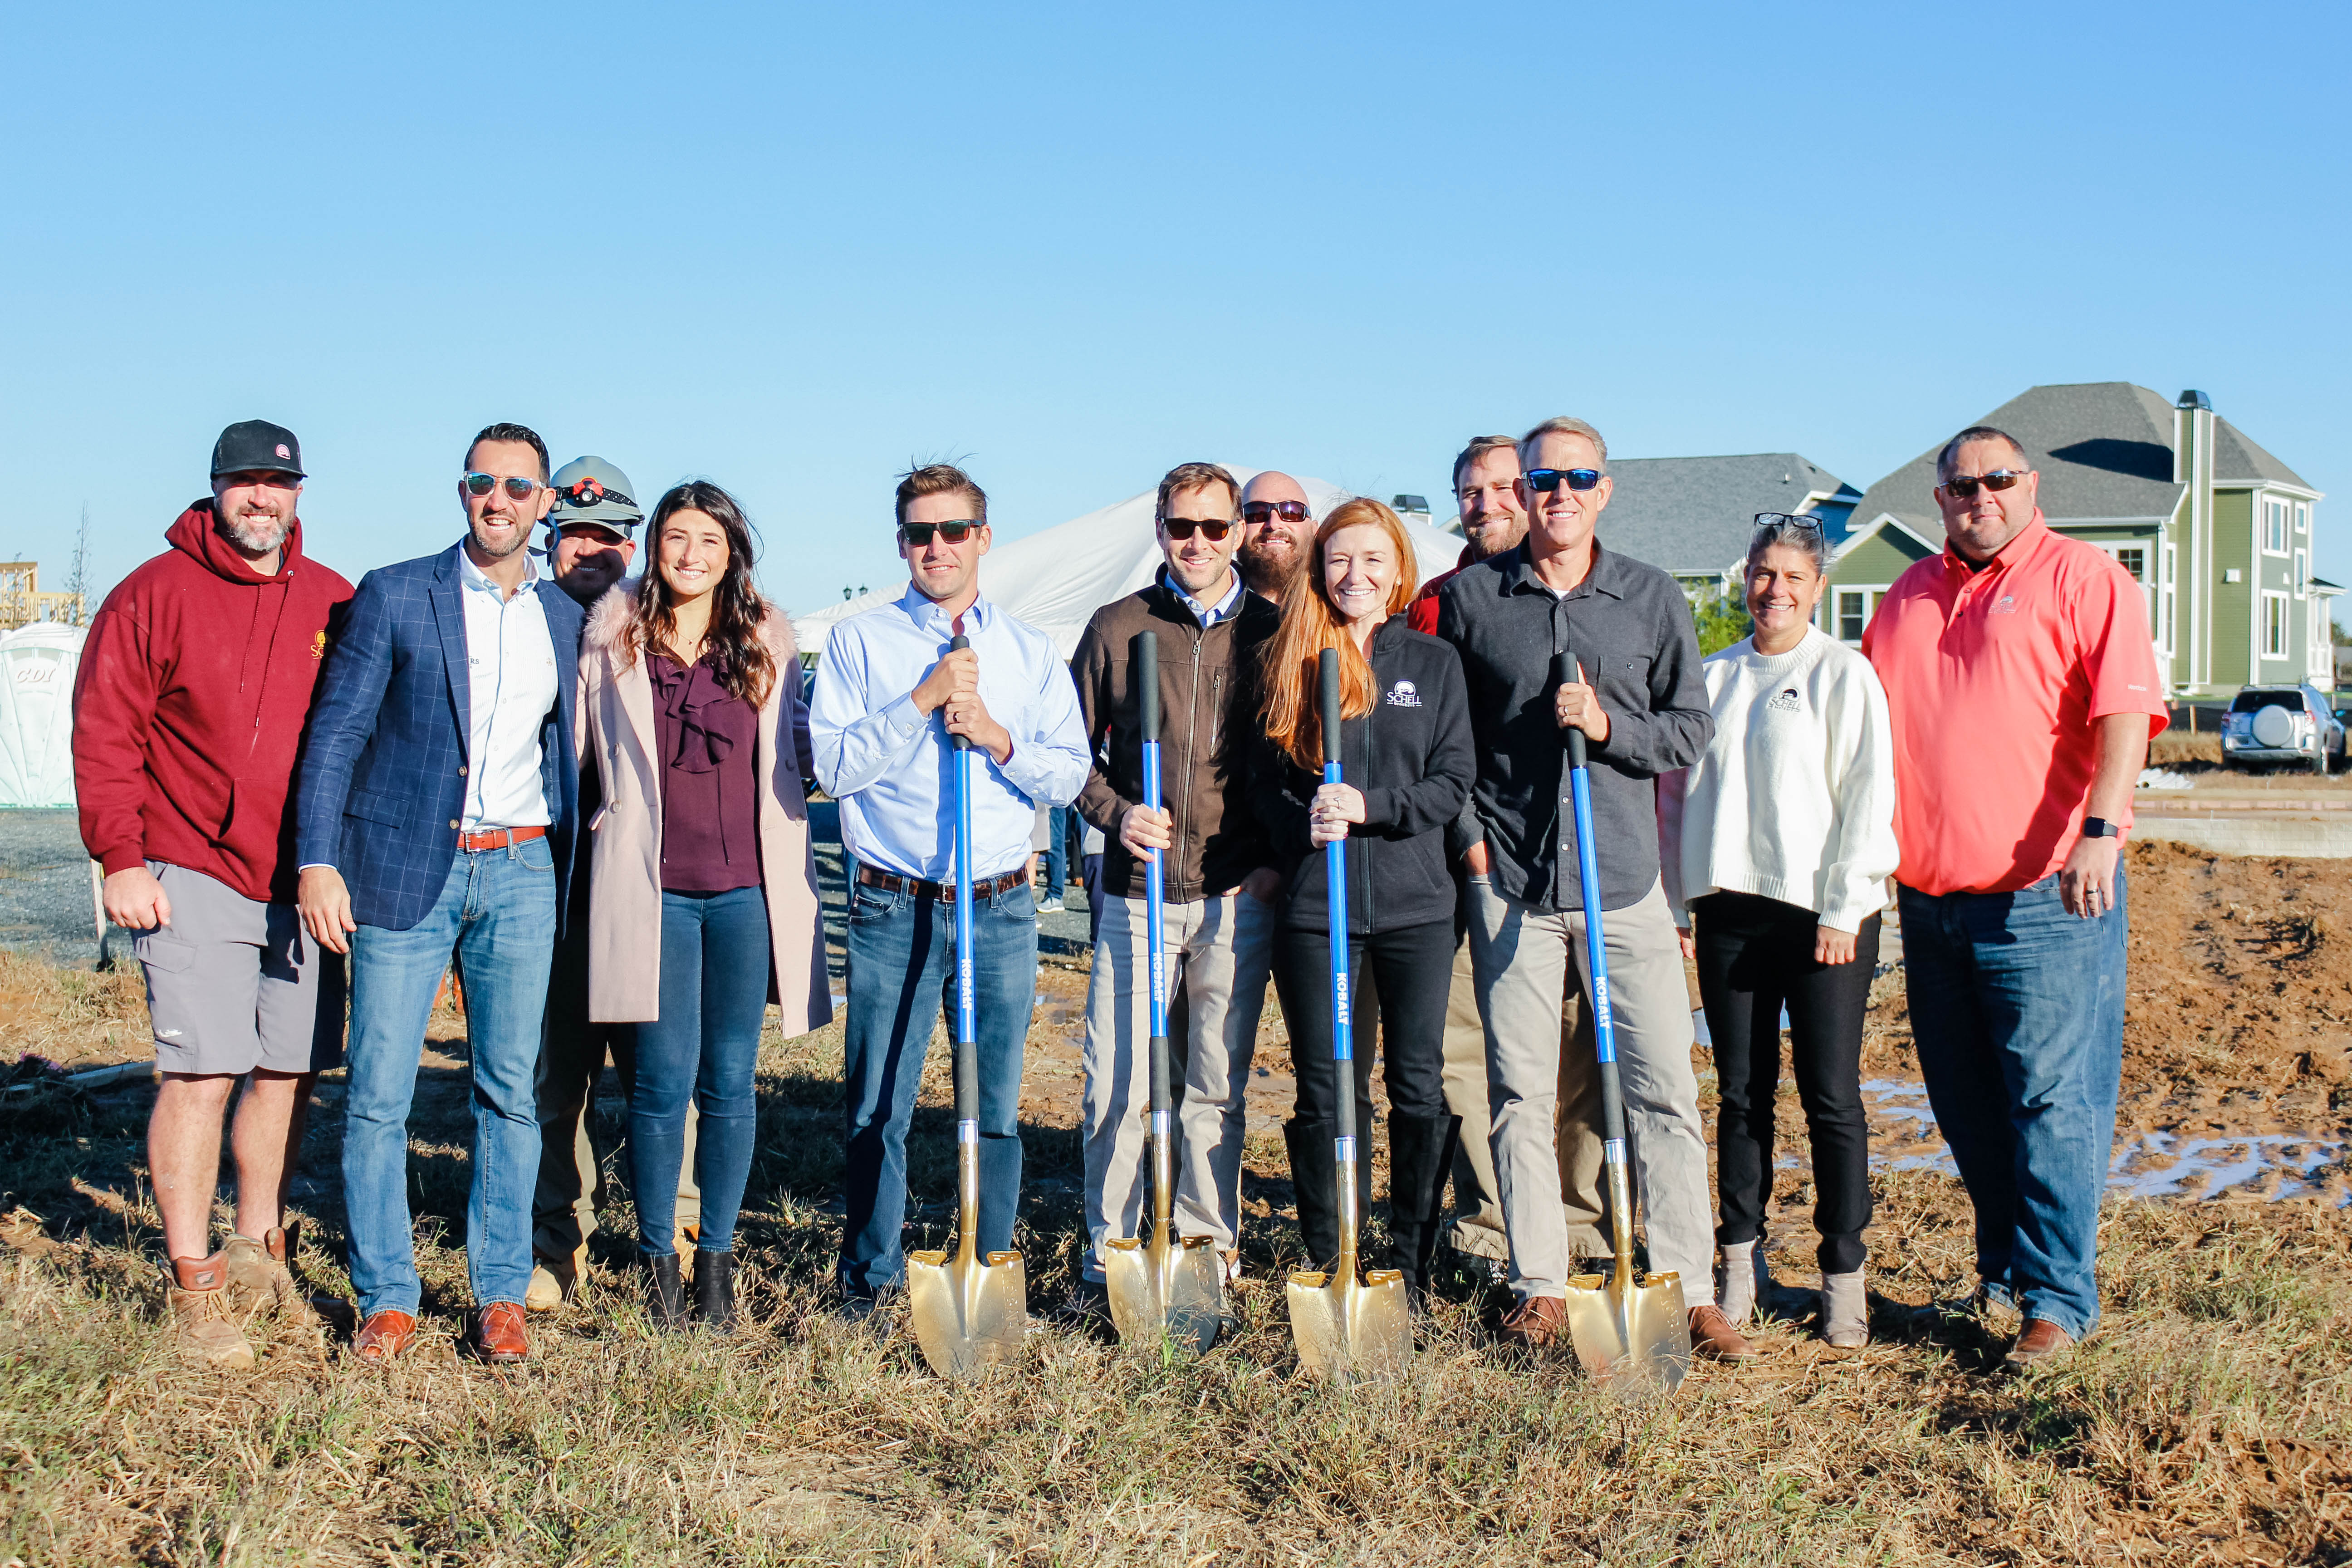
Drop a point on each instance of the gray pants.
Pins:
(1521, 954)
(234, 985)
(1216, 953)
(1478, 1228)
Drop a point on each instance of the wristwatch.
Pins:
(2100, 827)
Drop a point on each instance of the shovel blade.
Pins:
(1166, 1286)
(970, 1312)
(1345, 1328)
(1630, 1334)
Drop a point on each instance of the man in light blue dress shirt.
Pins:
(889, 695)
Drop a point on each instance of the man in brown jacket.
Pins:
(1217, 914)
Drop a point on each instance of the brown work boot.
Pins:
(2042, 1343)
(1713, 1336)
(259, 1279)
(553, 1280)
(1535, 1324)
(203, 1326)
(498, 1334)
(384, 1336)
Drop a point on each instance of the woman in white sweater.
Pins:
(1782, 845)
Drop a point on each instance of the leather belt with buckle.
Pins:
(941, 892)
(498, 838)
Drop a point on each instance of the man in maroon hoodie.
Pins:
(188, 715)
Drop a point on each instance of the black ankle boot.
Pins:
(1314, 1175)
(1420, 1155)
(714, 1289)
(665, 1301)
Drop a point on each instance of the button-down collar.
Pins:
(1604, 577)
(1206, 614)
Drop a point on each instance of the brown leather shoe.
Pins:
(203, 1329)
(383, 1336)
(2041, 1343)
(1713, 1336)
(1536, 1323)
(498, 1333)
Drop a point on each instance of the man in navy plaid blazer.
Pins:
(436, 819)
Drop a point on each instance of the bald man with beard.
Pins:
(1278, 527)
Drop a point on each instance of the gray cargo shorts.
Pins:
(234, 984)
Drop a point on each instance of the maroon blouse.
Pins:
(710, 797)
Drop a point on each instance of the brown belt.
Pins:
(942, 892)
(498, 838)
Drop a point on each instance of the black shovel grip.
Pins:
(962, 743)
(1147, 681)
(1326, 682)
(1563, 671)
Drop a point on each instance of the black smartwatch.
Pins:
(2100, 827)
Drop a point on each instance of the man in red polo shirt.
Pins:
(2023, 689)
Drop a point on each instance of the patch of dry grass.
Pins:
(72, 1016)
(2177, 745)
(2209, 1422)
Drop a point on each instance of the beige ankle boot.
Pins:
(204, 1325)
(259, 1279)
(1735, 1282)
(1845, 1311)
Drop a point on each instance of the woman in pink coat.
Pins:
(703, 901)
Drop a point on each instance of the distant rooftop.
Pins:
(1691, 517)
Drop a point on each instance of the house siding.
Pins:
(2233, 603)
(1879, 560)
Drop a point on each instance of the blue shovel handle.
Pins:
(1566, 669)
(966, 1064)
(1147, 688)
(1335, 871)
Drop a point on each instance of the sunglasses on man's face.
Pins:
(1964, 487)
(1214, 530)
(1261, 512)
(518, 488)
(919, 534)
(1543, 481)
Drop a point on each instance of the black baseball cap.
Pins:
(254, 445)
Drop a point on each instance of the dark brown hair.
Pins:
(939, 479)
(745, 667)
(1192, 477)
(521, 433)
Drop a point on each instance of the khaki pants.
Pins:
(1477, 1230)
(1216, 953)
(1522, 956)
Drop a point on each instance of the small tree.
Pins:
(1721, 618)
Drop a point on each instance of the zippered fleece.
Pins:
(1208, 720)
(1413, 759)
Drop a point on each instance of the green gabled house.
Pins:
(2217, 531)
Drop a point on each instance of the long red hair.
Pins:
(1311, 624)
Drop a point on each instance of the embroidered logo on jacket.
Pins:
(1785, 700)
(1404, 694)
(318, 645)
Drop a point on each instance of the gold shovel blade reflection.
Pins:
(1630, 1334)
(1168, 1285)
(967, 1313)
(1348, 1328)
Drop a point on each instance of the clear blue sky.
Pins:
(788, 248)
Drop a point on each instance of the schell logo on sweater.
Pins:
(1404, 694)
(1785, 700)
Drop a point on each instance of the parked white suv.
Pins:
(2275, 724)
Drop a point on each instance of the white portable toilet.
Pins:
(37, 681)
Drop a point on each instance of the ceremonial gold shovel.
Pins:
(1344, 1326)
(1163, 1284)
(1629, 1334)
(968, 1312)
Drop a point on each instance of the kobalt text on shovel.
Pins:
(1629, 1334)
(1163, 1284)
(969, 1311)
(1344, 1326)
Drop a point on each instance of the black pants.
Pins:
(1754, 955)
(1411, 969)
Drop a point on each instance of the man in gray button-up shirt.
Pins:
(1636, 692)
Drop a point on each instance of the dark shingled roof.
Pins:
(2103, 449)
(1692, 516)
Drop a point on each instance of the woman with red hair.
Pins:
(1406, 759)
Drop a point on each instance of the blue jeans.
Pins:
(902, 974)
(2018, 1008)
(496, 913)
(1057, 851)
(714, 997)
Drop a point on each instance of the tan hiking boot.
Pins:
(259, 1279)
(552, 1279)
(204, 1325)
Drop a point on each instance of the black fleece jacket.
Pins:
(1413, 758)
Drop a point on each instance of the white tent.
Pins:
(1056, 578)
(37, 679)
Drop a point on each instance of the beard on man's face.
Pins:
(1271, 558)
(257, 533)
